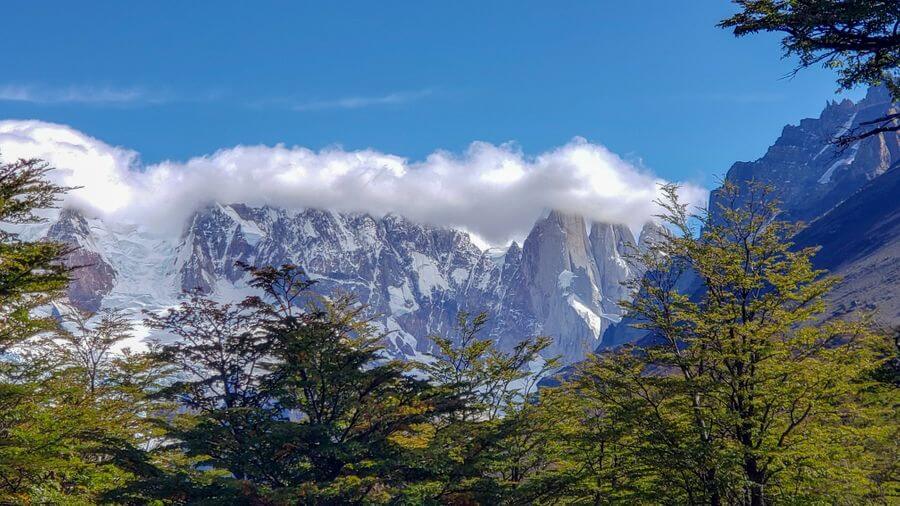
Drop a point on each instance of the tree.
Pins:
(87, 343)
(488, 381)
(31, 274)
(742, 394)
(218, 354)
(483, 449)
(67, 417)
(352, 410)
(857, 38)
(291, 396)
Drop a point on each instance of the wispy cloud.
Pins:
(359, 102)
(96, 95)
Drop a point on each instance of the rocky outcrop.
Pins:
(92, 276)
(848, 196)
(860, 242)
(557, 284)
(613, 248)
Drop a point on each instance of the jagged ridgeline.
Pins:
(564, 281)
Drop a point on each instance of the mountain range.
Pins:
(563, 281)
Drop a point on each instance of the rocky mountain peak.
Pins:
(651, 232)
(93, 277)
(809, 172)
(847, 196)
(612, 246)
(413, 278)
(559, 244)
(70, 227)
(877, 95)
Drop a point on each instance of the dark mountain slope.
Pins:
(860, 240)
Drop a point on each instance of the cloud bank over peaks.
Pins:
(494, 191)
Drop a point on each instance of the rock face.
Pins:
(92, 275)
(809, 174)
(611, 245)
(562, 285)
(850, 199)
(564, 281)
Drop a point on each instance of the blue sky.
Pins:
(654, 81)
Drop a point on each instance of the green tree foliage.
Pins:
(218, 351)
(289, 398)
(89, 346)
(488, 381)
(742, 395)
(482, 451)
(857, 38)
(349, 405)
(69, 409)
(30, 275)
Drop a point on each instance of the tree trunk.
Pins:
(756, 477)
(712, 490)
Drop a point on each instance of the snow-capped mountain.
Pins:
(564, 281)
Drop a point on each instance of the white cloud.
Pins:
(77, 95)
(494, 191)
(359, 102)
